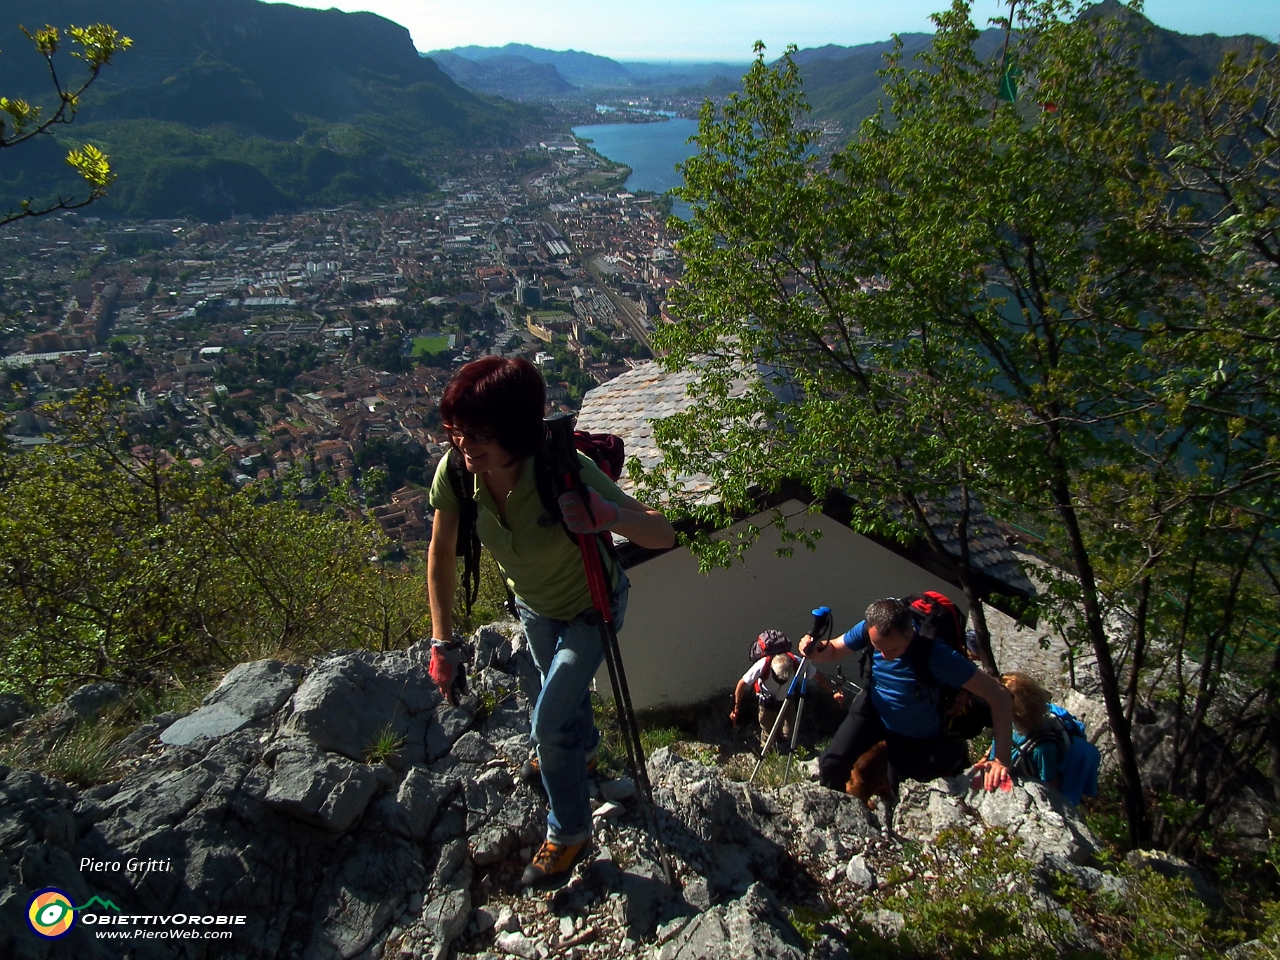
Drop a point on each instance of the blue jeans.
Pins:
(567, 653)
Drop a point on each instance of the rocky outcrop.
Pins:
(1250, 808)
(751, 927)
(1050, 829)
(348, 812)
(260, 805)
(249, 692)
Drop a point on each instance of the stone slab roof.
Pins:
(627, 406)
(989, 552)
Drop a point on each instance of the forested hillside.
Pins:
(236, 105)
(518, 78)
(843, 83)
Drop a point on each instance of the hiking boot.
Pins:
(551, 860)
(531, 773)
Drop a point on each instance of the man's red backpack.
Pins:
(937, 620)
(936, 617)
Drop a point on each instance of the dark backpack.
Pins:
(769, 644)
(937, 620)
(605, 450)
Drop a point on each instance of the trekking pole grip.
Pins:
(564, 456)
(821, 623)
(565, 465)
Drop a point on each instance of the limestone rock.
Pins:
(12, 709)
(1037, 814)
(493, 644)
(410, 811)
(446, 915)
(1167, 865)
(473, 748)
(829, 948)
(322, 789)
(137, 742)
(859, 874)
(88, 701)
(350, 702)
(212, 722)
(517, 945)
(753, 927)
(507, 921)
(887, 923)
(607, 810)
(451, 723)
(624, 788)
(256, 689)
(518, 821)
(279, 817)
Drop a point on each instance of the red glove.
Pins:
(575, 513)
(447, 669)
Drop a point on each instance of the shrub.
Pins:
(965, 895)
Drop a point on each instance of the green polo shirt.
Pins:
(543, 567)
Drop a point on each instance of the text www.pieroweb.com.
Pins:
(160, 927)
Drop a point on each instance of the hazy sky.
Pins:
(725, 29)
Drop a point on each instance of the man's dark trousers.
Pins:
(910, 758)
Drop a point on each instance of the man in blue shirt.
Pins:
(902, 708)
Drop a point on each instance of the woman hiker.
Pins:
(492, 411)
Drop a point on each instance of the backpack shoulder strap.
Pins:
(547, 489)
(547, 496)
(1053, 732)
(468, 545)
(918, 653)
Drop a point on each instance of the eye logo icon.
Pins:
(51, 913)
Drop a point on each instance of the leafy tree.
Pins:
(375, 484)
(1021, 300)
(117, 563)
(401, 461)
(24, 121)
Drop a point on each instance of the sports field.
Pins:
(425, 345)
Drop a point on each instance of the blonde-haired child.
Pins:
(1040, 745)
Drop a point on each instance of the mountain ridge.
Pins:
(510, 76)
(841, 83)
(228, 106)
(575, 66)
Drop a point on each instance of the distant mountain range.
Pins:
(513, 77)
(239, 106)
(521, 72)
(228, 106)
(841, 84)
(579, 69)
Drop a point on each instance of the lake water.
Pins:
(651, 150)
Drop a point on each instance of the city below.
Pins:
(322, 340)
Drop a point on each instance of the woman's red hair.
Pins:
(502, 396)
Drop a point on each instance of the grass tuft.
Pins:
(385, 747)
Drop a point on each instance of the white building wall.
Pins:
(686, 635)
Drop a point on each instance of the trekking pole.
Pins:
(568, 477)
(821, 631)
(773, 732)
(819, 624)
